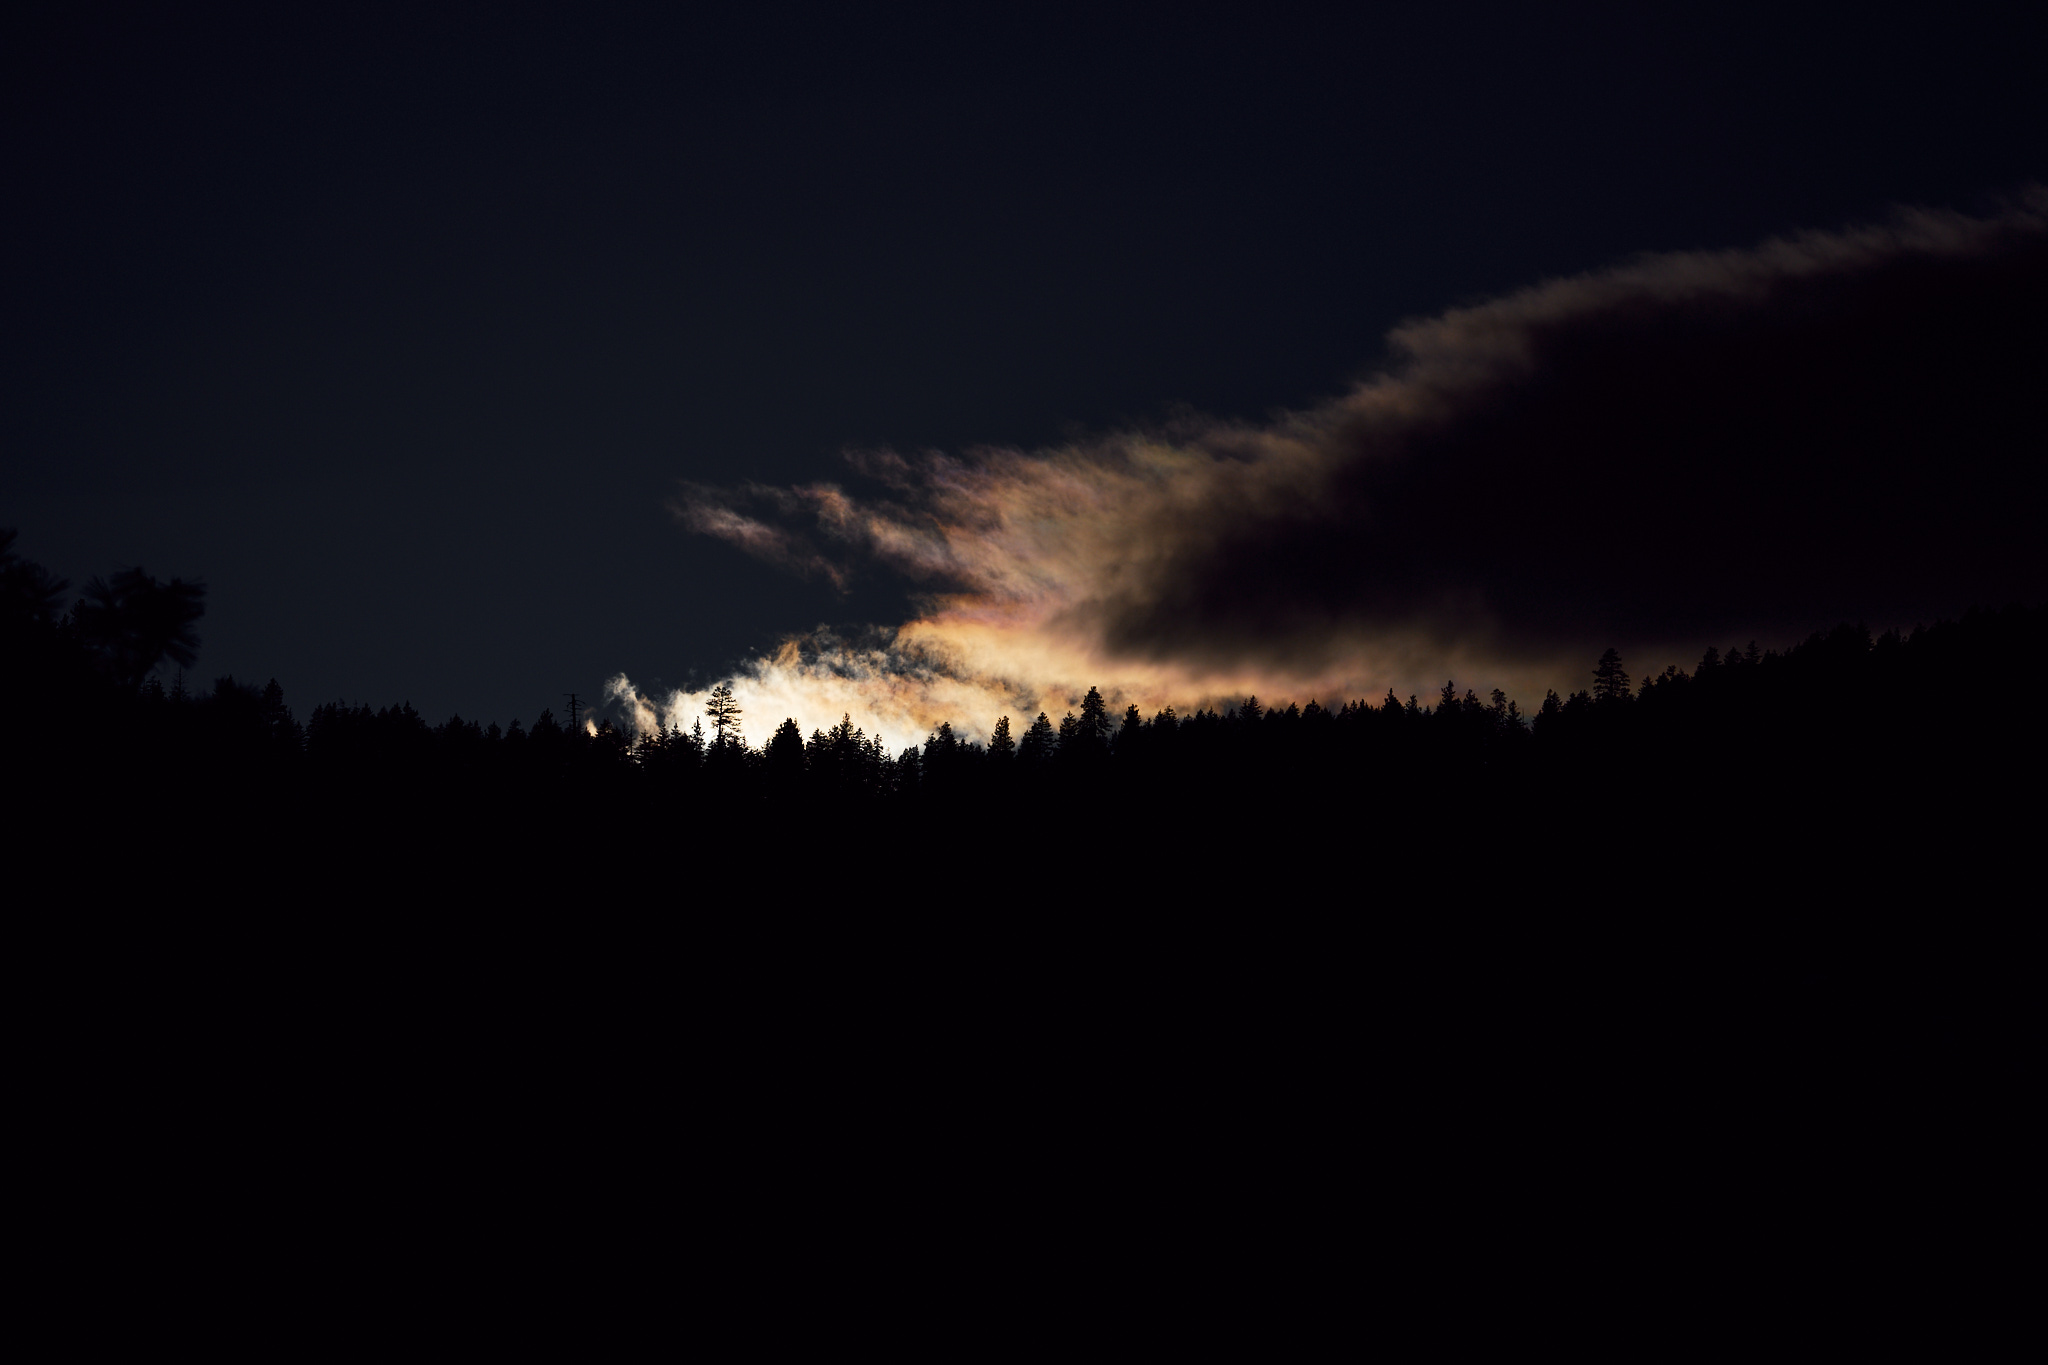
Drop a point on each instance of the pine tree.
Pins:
(1498, 712)
(1094, 727)
(30, 595)
(724, 714)
(1610, 683)
(1038, 743)
(133, 623)
(783, 759)
(1001, 747)
(284, 732)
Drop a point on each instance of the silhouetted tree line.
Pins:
(1924, 715)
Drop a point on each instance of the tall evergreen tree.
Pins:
(1610, 682)
(1093, 730)
(134, 623)
(782, 761)
(1039, 742)
(724, 714)
(29, 593)
(285, 735)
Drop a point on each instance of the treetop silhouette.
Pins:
(133, 623)
(724, 714)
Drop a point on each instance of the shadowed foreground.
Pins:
(1705, 991)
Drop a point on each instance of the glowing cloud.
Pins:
(1684, 448)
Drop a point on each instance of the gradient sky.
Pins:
(401, 330)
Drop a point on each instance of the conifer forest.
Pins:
(1841, 732)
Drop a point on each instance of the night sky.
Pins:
(407, 332)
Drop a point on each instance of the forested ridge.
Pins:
(1926, 717)
(1752, 903)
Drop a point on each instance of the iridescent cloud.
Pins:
(1685, 449)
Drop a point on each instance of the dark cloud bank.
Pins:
(1845, 425)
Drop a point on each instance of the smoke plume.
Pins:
(1689, 448)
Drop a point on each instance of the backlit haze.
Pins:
(1687, 449)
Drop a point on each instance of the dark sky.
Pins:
(400, 330)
